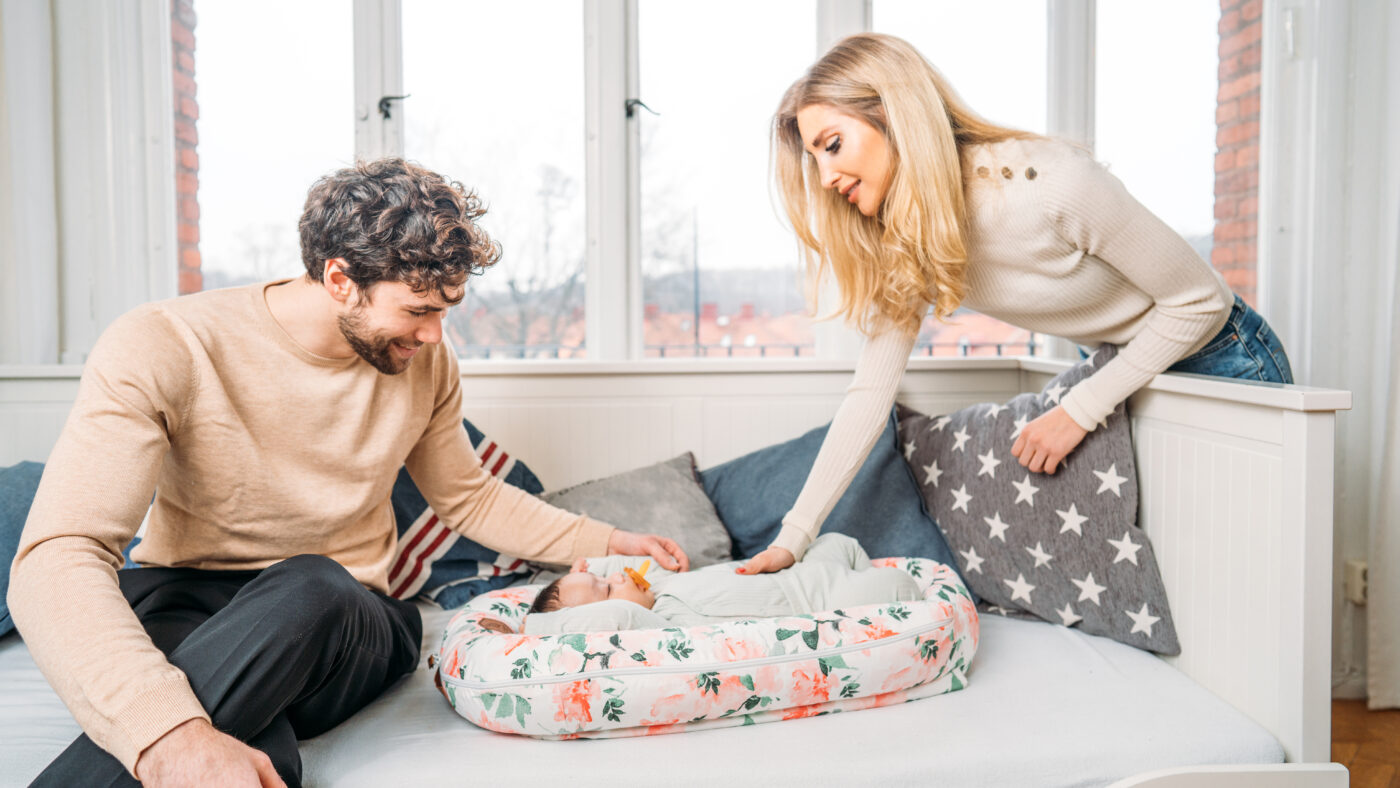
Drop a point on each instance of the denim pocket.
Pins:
(1269, 341)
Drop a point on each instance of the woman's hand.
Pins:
(1044, 443)
(770, 560)
(666, 552)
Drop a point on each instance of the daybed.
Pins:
(1236, 496)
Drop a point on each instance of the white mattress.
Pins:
(1044, 705)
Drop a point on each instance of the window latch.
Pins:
(632, 104)
(384, 104)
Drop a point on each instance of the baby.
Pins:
(597, 595)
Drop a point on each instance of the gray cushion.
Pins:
(665, 499)
(1064, 547)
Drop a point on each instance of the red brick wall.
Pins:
(182, 21)
(1237, 146)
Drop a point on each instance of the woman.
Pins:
(911, 200)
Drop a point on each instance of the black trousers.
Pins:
(274, 656)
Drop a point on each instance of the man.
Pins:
(270, 421)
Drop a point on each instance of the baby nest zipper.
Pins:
(712, 666)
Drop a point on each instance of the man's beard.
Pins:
(373, 348)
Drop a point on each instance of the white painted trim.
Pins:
(833, 338)
(378, 72)
(1279, 775)
(612, 293)
(29, 315)
(837, 19)
(1071, 30)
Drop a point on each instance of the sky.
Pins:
(497, 102)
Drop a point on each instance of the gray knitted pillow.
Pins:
(1064, 547)
(664, 499)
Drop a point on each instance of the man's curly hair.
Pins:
(394, 221)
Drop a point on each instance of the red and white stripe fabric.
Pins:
(428, 539)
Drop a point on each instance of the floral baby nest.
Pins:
(647, 681)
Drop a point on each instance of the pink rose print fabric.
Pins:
(649, 681)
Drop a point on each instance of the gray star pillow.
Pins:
(1064, 547)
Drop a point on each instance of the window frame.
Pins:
(613, 295)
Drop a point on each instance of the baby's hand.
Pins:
(581, 565)
(771, 560)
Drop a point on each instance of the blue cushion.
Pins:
(17, 486)
(882, 509)
(465, 569)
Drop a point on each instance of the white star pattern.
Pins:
(1021, 422)
(998, 528)
(939, 424)
(933, 473)
(989, 464)
(1020, 589)
(962, 498)
(1142, 620)
(1054, 393)
(1072, 520)
(972, 561)
(1088, 589)
(1025, 491)
(1127, 548)
(1110, 480)
(960, 437)
(909, 450)
(1041, 557)
(1068, 617)
(995, 410)
(999, 610)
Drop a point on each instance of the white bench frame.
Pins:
(1236, 492)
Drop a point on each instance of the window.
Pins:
(495, 100)
(693, 258)
(273, 117)
(1156, 83)
(721, 272)
(993, 53)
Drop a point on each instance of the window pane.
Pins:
(270, 124)
(1156, 85)
(993, 53)
(497, 103)
(720, 271)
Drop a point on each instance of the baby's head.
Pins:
(582, 588)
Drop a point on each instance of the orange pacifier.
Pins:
(638, 575)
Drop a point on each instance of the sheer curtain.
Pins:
(1383, 650)
(1329, 250)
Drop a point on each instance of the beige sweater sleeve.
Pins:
(1092, 210)
(858, 423)
(482, 507)
(95, 490)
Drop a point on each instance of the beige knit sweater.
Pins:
(1057, 246)
(257, 451)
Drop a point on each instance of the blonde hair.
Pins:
(914, 251)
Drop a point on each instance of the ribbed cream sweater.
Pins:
(257, 450)
(1057, 246)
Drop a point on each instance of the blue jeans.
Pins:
(1246, 348)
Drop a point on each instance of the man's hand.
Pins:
(1043, 444)
(666, 552)
(770, 560)
(195, 753)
